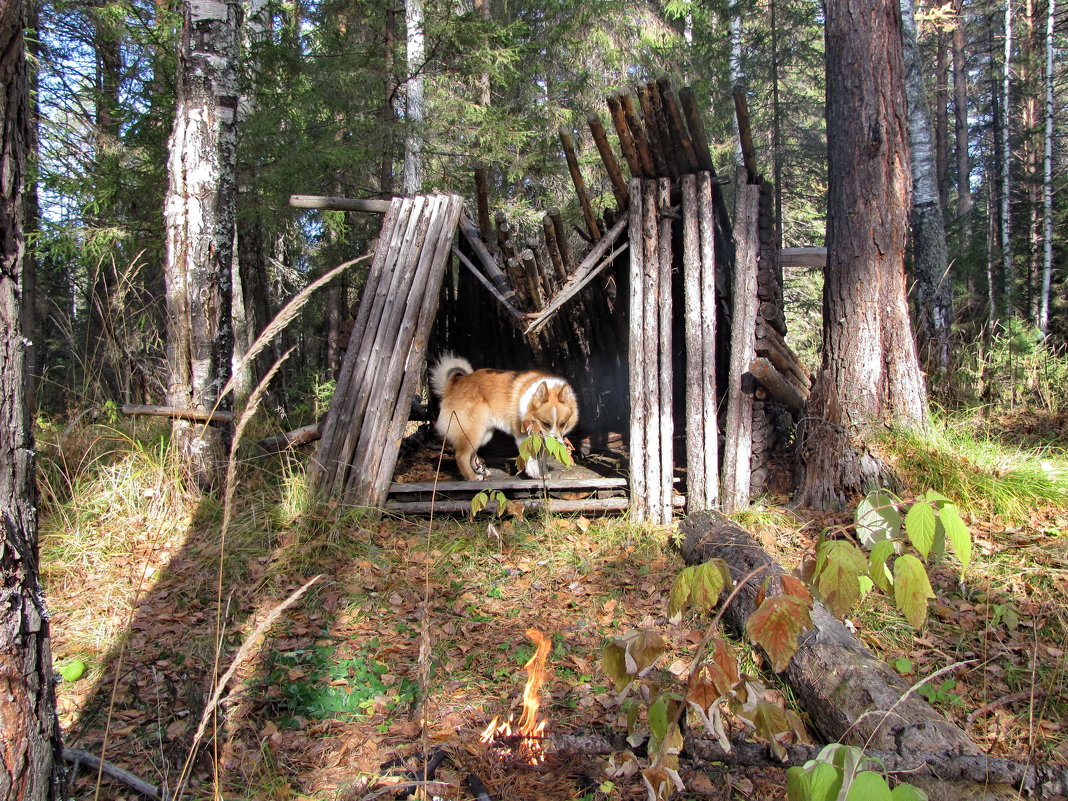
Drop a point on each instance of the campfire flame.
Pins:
(529, 730)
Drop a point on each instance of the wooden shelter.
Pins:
(665, 315)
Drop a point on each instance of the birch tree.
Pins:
(31, 761)
(199, 212)
(1004, 217)
(416, 49)
(1047, 178)
(934, 298)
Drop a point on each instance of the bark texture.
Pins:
(30, 749)
(934, 299)
(870, 371)
(200, 225)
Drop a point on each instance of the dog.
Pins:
(474, 403)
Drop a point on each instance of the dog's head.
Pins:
(553, 410)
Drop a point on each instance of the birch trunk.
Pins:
(413, 149)
(1006, 165)
(30, 749)
(199, 219)
(934, 299)
(1047, 179)
(960, 127)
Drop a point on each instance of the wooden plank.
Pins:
(737, 454)
(580, 184)
(595, 261)
(776, 384)
(626, 141)
(409, 365)
(209, 416)
(674, 114)
(654, 134)
(586, 505)
(665, 265)
(500, 298)
(482, 201)
(704, 155)
(608, 159)
(709, 312)
(485, 258)
(510, 484)
(381, 334)
(323, 465)
(637, 133)
(745, 133)
(637, 445)
(803, 257)
(339, 203)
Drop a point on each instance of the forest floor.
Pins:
(331, 697)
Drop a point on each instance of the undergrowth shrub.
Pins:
(1013, 367)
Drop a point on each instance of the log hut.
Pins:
(663, 312)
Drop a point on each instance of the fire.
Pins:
(529, 730)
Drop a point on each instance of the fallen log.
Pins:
(199, 415)
(850, 695)
(76, 756)
(1038, 781)
(291, 439)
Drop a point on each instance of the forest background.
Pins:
(370, 100)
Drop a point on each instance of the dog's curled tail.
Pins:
(448, 367)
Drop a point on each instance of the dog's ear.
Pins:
(567, 394)
(541, 394)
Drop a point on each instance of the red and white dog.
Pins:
(474, 403)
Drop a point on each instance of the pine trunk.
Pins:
(30, 749)
(870, 371)
(199, 215)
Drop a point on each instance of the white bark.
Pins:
(1047, 179)
(931, 262)
(735, 66)
(1006, 161)
(413, 149)
(199, 217)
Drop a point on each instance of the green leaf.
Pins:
(908, 792)
(478, 503)
(707, 585)
(869, 786)
(839, 581)
(73, 670)
(658, 717)
(614, 664)
(912, 589)
(824, 782)
(936, 498)
(776, 626)
(680, 592)
(877, 519)
(920, 526)
(877, 569)
(797, 784)
(958, 535)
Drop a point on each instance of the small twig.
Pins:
(77, 756)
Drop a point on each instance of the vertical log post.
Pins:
(665, 262)
(639, 506)
(737, 455)
(651, 425)
(702, 482)
(706, 214)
